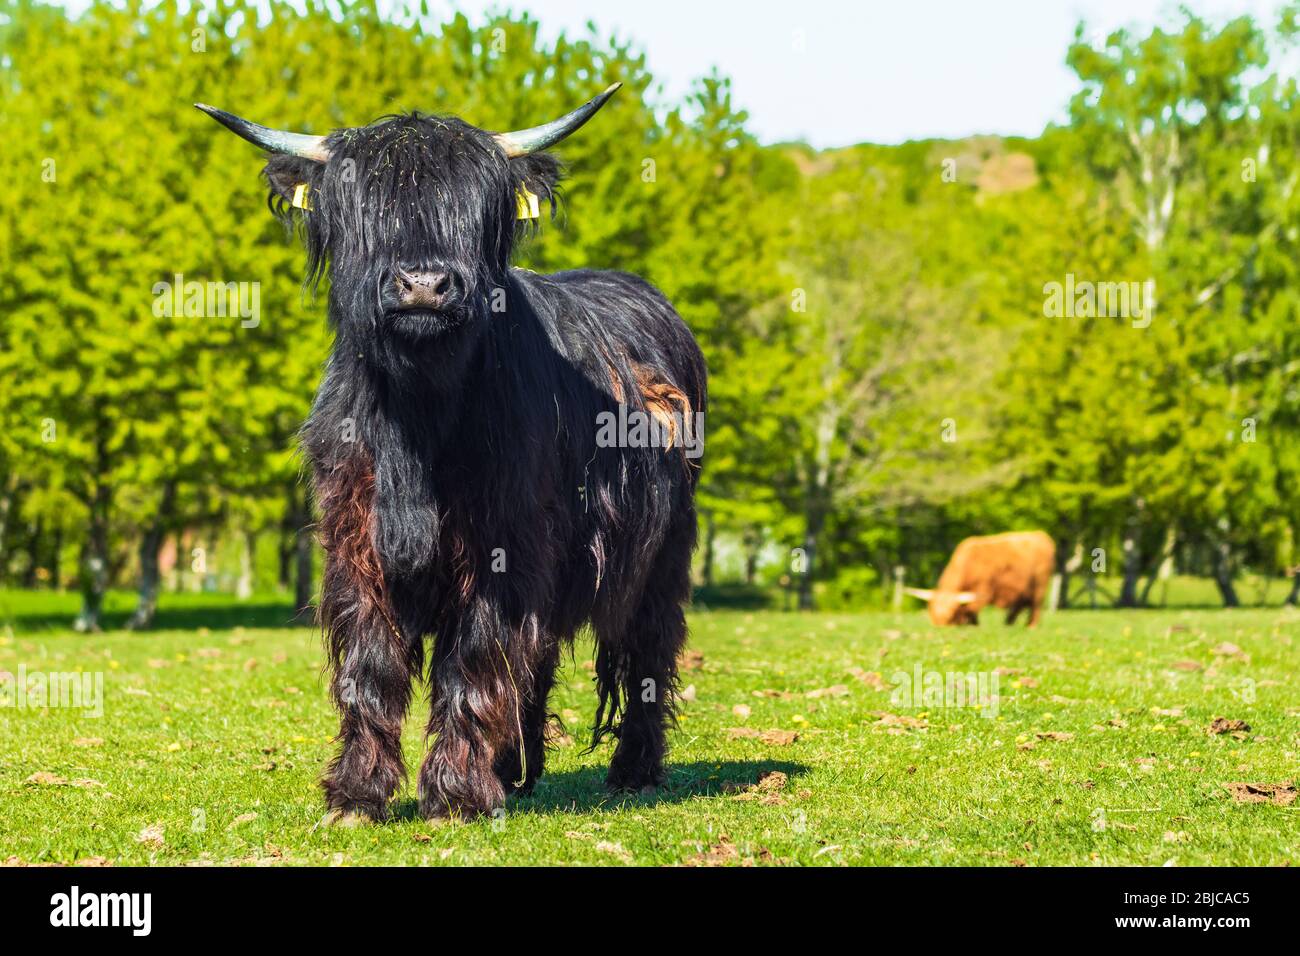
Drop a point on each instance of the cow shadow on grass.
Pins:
(583, 790)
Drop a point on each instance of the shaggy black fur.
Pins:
(464, 495)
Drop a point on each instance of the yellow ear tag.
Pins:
(300, 197)
(527, 207)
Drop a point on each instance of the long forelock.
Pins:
(413, 186)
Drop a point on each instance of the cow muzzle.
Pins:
(425, 290)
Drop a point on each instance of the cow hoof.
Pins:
(635, 793)
(345, 819)
(634, 776)
(445, 810)
(438, 814)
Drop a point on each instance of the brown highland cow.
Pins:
(1011, 571)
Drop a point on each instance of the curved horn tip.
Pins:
(214, 112)
(599, 100)
(271, 140)
(536, 138)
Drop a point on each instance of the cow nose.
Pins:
(423, 288)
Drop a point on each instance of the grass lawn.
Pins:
(211, 742)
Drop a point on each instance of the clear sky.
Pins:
(835, 72)
(881, 71)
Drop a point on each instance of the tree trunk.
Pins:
(710, 540)
(37, 532)
(813, 522)
(1165, 566)
(285, 547)
(94, 565)
(1067, 562)
(178, 575)
(1294, 597)
(1223, 573)
(7, 497)
(244, 586)
(1128, 596)
(56, 560)
(1144, 597)
(753, 549)
(146, 605)
(817, 500)
(196, 559)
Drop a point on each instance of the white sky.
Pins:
(881, 71)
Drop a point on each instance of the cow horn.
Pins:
(921, 593)
(525, 141)
(965, 597)
(272, 140)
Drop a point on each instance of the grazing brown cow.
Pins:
(1011, 571)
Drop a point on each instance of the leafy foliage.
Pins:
(885, 377)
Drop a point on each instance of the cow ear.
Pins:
(540, 174)
(284, 174)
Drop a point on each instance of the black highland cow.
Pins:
(464, 492)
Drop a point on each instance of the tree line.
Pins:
(1091, 331)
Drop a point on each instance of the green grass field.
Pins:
(211, 742)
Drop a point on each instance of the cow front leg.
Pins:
(479, 706)
(371, 659)
(1035, 612)
(372, 667)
